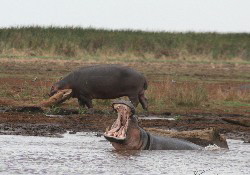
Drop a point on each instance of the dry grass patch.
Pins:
(168, 93)
(232, 95)
(189, 95)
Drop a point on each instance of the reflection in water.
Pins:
(84, 153)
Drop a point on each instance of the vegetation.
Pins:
(167, 93)
(124, 44)
(161, 95)
(210, 79)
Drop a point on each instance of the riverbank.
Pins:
(34, 121)
(197, 95)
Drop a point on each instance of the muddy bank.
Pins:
(36, 121)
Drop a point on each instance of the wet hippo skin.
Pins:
(152, 142)
(125, 133)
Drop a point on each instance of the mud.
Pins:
(36, 121)
(25, 82)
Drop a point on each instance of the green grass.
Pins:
(235, 103)
(124, 45)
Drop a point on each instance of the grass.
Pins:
(25, 92)
(189, 95)
(123, 45)
(5, 91)
(172, 86)
(162, 96)
(235, 104)
(29, 52)
(165, 95)
(54, 110)
(231, 95)
(168, 93)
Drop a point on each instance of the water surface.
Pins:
(84, 153)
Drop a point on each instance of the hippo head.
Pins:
(125, 132)
(54, 89)
(60, 85)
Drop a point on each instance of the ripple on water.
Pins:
(84, 153)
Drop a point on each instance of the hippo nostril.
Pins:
(50, 94)
(53, 92)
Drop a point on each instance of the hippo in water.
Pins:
(104, 82)
(125, 133)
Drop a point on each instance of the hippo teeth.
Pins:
(107, 129)
(120, 126)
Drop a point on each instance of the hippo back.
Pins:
(108, 81)
(167, 143)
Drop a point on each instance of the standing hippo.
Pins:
(104, 82)
(125, 134)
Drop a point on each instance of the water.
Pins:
(84, 153)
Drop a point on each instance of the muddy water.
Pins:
(84, 153)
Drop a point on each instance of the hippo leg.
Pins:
(144, 101)
(134, 99)
(85, 101)
(81, 103)
(89, 103)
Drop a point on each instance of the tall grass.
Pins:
(167, 93)
(189, 95)
(80, 42)
(232, 95)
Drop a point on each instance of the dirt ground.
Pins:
(34, 121)
(25, 82)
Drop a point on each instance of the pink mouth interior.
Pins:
(120, 126)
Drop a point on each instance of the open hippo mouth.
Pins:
(118, 130)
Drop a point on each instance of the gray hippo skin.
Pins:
(125, 133)
(104, 82)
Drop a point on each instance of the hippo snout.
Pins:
(52, 92)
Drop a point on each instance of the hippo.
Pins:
(104, 82)
(125, 133)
